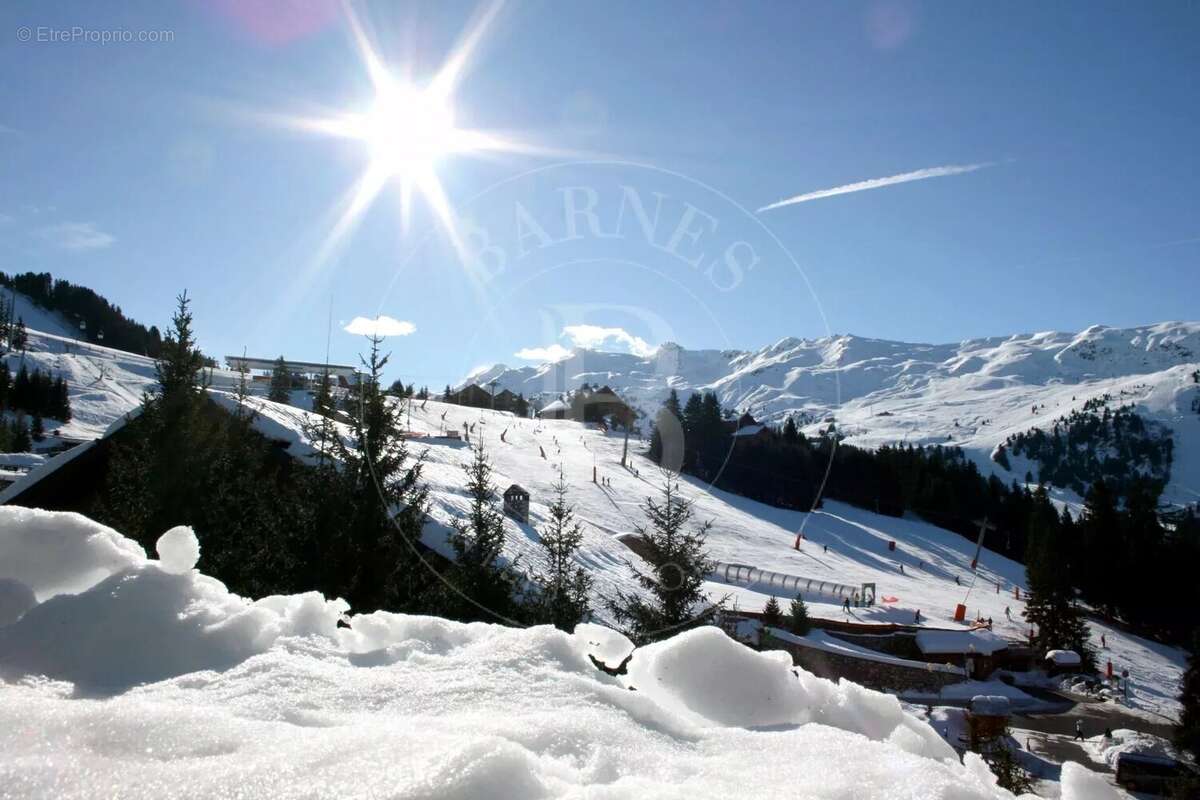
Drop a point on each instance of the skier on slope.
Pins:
(1079, 730)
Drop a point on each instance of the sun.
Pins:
(408, 131)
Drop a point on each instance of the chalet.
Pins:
(556, 410)
(746, 428)
(516, 503)
(74, 480)
(978, 651)
(505, 400)
(473, 395)
(987, 722)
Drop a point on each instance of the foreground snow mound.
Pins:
(208, 694)
(55, 552)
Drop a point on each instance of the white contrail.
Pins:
(875, 183)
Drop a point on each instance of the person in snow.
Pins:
(956, 581)
(846, 605)
(1007, 613)
(917, 618)
(1079, 730)
(1103, 641)
(901, 569)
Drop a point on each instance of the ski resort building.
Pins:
(306, 373)
(556, 410)
(516, 503)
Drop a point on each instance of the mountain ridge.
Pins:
(971, 394)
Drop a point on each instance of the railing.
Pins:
(794, 584)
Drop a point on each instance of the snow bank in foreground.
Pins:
(208, 694)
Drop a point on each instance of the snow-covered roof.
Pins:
(557, 405)
(990, 705)
(1064, 658)
(981, 642)
(749, 430)
(820, 640)
(50, 466)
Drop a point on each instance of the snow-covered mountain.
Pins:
(973, 394)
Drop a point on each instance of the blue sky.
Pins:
(140, 169)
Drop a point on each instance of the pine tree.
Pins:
(323, 402)
(1188, 734)
(37, 429)
(281, 382)
(791, 435)
(565, 587)
(178, 367)
(377, 503)
(772, 614)
(1009, 773)
(798, 621)
(1051, 607)
(18, 337)
(1102, 547)
(446, 394)
(5, 321)
(61, 409)
(666, 445)
(20, 441)
(680, 564)
(481, 587)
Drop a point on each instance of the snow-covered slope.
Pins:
(105, 384)
(841, 544)
(137, 677)
(973, 394)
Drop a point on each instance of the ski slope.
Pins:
(841, 543)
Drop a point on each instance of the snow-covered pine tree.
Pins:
(281, 382)
(680, 564)
(563, 601)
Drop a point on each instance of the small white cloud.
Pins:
(380, 326)
(589, 337)
(594, 337)
(555, 352)
(76, 236)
